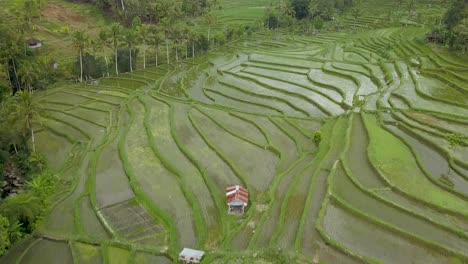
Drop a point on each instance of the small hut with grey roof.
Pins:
(189, 255)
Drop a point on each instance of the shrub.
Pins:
(93, 66)
(317, 137)
(271, 21)
(456, 139)
(22, 208)
(123, 58)
(4, 235)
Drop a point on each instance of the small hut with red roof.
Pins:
(237, 198)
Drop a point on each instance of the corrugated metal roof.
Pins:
(188, 253)
(236, 194)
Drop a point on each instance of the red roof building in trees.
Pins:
(237, 198)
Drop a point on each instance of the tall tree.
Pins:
(80, 43)
(28, 74)
(461, 34)
(209, 20)
(301, 8)
(356, 13)
(115, 35)
(11, 48)
(24, 110)
(31, 9)
(102, 42)
(143, 36)
(156, 38)
(168, 28)
(130, 37)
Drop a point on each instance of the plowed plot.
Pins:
(131, 221)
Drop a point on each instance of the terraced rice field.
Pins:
(147, 156)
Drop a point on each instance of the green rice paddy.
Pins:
(145, 157)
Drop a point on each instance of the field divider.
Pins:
(215, 194)
(430, 244)
(234, 168)
(81, 131)
(401, 208)
(241, 177)
(319, 225)
(293, 94)
(285, 92)
(224, 108)
(271, 193)
(408, 195)
(264, 147)
(425, 171)
(188, 194)
(265, 96)
(76, 116)
(244, 101)
(90, 97)
(142, 197)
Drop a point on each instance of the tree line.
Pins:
(452, 28)
(308, 15)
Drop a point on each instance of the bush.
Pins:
(271, 21)
(202, 43)
(317, 137)
(456, 139)
(93, 66)
(123, 58)
(220, 38)
(4, 235)
(23, 208)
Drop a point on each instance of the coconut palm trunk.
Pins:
(81, 65)
(156, 56)
(16, 73)
(167, 53)
(116, 63)
(144, 58)
(107, 65)
(131, 67)
(33, 138)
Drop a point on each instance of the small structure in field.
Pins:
(34, 43)
(188, 255)
(237, 198)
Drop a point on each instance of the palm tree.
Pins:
(115, 31)
(80, 42)
(129, 38)
(24, 110)
(210, 20)
(178, 37)
(461, 31)
(101, 43)
(156, 39)
(28, 74)
(191, 39)
(123, 6)
(168, 32)
(143, 35)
